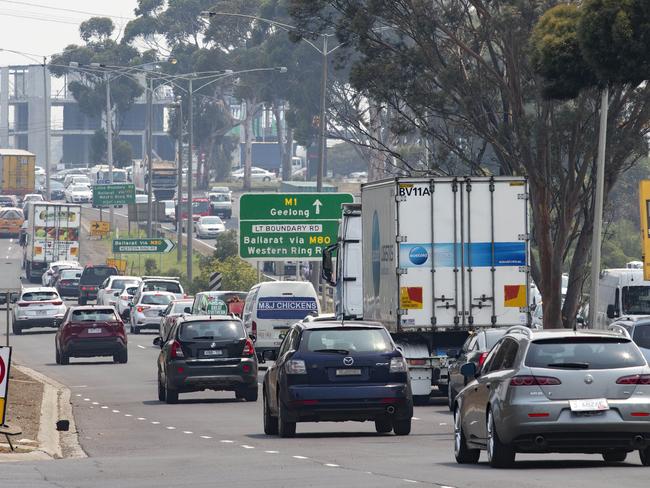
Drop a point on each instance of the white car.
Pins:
(207, 227)
(78, 194)
(38, 307)
(76, 179)
(170, 209)
(146, 311)
(46, 279)
(257, 174)
(112, 288)
(160, 283)
(38, 171)
(33, 197)
(123, 304)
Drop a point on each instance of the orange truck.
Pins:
(17, 168)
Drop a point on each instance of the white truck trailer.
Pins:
(52, 235)
(439, 257)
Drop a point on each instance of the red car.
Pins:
(90, 331)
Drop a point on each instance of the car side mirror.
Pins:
(253, 338)
(187, 310)
(453, 353)
(161, 313)
(468, 370)
(158, 342)
(270, 355)
(611, 312)
(13, 297)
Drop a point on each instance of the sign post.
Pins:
(115, 194)
(5, 363)
(142, 245)
(277, 227)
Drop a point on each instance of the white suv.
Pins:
(38, 307)
(110, 290)
(160, 283)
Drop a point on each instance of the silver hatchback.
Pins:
(555, 391)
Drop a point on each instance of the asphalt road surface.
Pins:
(211, 439)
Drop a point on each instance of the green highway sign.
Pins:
(142, 245)
(115, 194)
(289, 226)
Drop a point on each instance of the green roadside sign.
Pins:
(142, 245)
(281, 226)
(115, 194)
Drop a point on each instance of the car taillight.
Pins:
(295, 366)
(635, 379)
(142, 309)
(397, 365)
(176, 352)
(57, 303)
(528, 380)
(254, 328)
(481, 358)
(417, 362)
(83, 288)
(23, 304)
(249, 350)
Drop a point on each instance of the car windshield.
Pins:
(79, 188)
(40, 296)
(121, 284)
(11, 214)
(200, 207)
(93, 315)
(170, 286)
(642, 336)
(220, 197)
(181, 306)
(583, 353)
(211, 330)
(347, 341)
(70, 274)
(96, 274)
(211, 221)
(636, 300)
(155, 299)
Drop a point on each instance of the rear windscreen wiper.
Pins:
(202, 337)
(337, 351)
(569, 365)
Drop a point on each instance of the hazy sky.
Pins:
(44, 27)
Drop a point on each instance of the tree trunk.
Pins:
(248, 143)
(288, 153)
(285, 171)
(376, 169)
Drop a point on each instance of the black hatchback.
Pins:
(330, 371)
(91, 278)
(204, 352)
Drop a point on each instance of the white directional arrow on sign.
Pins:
(169, 245)
(318, 204)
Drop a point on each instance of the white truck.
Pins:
(52, 235)
(438, 257)
(621, 293)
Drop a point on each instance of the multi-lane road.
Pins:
(210, 439)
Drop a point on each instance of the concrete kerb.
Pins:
(56, 405)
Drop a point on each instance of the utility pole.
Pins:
(109, 142)
(323, 119)
(149, 84)
(46, 114)
(179, 190)
(190, 221)
(598, 210)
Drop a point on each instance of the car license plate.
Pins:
(592, 405)
(97, 330)
(348, 372)
(213, 352)
(41, 312)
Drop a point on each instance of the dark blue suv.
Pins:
(333, 371)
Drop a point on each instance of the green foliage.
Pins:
(122, 153)
(556, 53)
(122, 150)
(344, 159)
(621, 244)
(237, 273)
(150, 267)
(96, 29)
(227, 245)
(98, 146)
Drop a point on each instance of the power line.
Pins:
(42, 19)
(83, 12)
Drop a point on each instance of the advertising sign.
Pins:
(644, 202)
(5, 362)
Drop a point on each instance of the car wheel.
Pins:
(420, 399)
(499, 455)
(383, 426)
(285, 428)
(17, 329)
(251, 394)
(402, 427)
(270, 422)
(65, 359)
(121, 357)
(644, 454)
(171, 396)
(161, 389)
(57, 356)
(135, 329)
(266, 178)
(462, 453)
(612, 457)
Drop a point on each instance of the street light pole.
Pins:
(46, 114)
(179, 190)
(149, 156)
(109, 141)
(190, 221)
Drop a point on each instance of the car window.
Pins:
(180, 307)
(120, 284)
(211, 330)
(40, 296)
(96, 274)
(156, 299)
(584, 353)
(170, 286)
(284, 347)
(466, 344)
(131, 290)
(510, 349)
(642, 336)
(93, 315)
(11, 214)
(348, 339)
(494, 359)
(70, 274)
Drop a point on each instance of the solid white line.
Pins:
(141, 347)
(300, 457)
(329, 465)
(206, 437)
(272, 452)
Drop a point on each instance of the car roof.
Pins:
(153, 292)
(121, 277)
(563, 333)
(183, 300)
(91, 307)
(203, 318)
(334, 324)
(39, 288)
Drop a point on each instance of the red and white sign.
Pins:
(5, 359)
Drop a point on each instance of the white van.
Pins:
(621, 293)
(272, 307)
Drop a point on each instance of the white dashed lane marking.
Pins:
(141, 347)
(272, 452)
(329, 465)
(188, 432)
(155, 423)
(206, 437)
(170, 427)
(300, 457)
(246, 446)
(226, 441)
